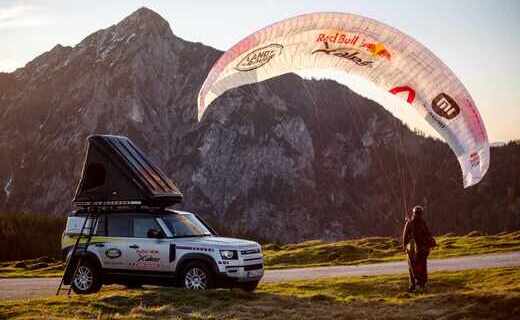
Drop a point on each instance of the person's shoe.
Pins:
(421, 288)
(411, 289)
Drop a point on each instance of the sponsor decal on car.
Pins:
(444, 106)
(194, 248)
(147, 259)
(259, 57)
(113, 253)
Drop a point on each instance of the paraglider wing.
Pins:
(370, 49)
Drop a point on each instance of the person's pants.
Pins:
(421, 267)
(418, 267)
(411, 268)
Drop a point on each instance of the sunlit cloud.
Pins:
(8, 65)
(20, 14)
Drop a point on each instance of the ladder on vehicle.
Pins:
(93, 218)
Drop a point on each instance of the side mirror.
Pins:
(155, 234)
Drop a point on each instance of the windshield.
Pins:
(185, 225)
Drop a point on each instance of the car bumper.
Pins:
(239, 274)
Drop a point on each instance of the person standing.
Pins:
(417, 243)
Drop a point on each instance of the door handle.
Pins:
(134, 246)
(99, 245)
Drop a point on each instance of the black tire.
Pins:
(197, 276)
(133, 285)
(249, 286)
(87, 279)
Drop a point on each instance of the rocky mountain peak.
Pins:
(144, 18)
(267, 159)
(143, 27)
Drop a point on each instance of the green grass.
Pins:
(42, 267)
(320, 253)
(380, 249)
(475, 294)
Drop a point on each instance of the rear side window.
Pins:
(119, 225)
(101, 226)
(143, 224)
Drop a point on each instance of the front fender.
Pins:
(189, 257)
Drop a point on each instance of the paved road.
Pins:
(450, 264)
(41, 287)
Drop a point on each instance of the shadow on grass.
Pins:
(340, 301)
(489, 294)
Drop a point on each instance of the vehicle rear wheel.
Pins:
(87, 279)
(133, 285)
(197, 276)
(249, 286)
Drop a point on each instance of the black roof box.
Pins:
(117, 173)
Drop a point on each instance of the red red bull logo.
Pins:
(377, 49)
(338, 37)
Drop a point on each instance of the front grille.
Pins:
(253, 267)
(253, 259)
(249, 251)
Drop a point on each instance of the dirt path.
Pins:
(41, 287)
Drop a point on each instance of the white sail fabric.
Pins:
(368, 48)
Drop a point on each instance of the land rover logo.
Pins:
(445, 106)
(257, 58)
(113, 253)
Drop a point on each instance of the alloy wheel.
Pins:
(84, 278)
(196, 279)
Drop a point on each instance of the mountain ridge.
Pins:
(266, 160)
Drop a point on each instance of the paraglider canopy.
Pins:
(117, 173)
(364, 47)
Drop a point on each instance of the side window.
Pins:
(143, 224)
(101, 229)
(119, 225)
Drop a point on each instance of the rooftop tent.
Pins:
(116, 172)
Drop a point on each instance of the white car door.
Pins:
(112, 235)
(145, 253)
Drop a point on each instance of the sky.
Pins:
(478, 39)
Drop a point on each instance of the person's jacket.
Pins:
(417, 230)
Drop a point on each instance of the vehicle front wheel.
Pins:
(87, 279)
(197, 276)
(249, 286)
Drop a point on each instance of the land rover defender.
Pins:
(159, 247)
(124, 232)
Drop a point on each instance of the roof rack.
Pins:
(116, 173)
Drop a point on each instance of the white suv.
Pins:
(162, 247)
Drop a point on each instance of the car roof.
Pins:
(137, 210)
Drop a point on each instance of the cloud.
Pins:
(20, 14)
(9, 65)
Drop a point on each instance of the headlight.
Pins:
(229, 254)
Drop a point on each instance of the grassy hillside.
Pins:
(373, 250)
(318, 253)
(478, 294)
(29, 236)
(32, 268)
